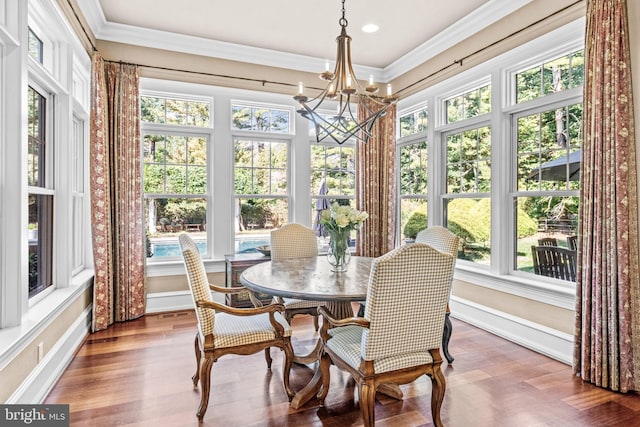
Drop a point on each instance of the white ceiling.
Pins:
(298, 34)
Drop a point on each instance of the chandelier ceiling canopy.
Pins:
(342, 89)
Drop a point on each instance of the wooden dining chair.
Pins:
(548, 241)
(398, 339)
(223, 330)
(553, 261)
(445, 241)
(295, 241)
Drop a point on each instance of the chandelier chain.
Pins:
(343, 21)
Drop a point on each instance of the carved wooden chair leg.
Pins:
(367, 394)
(446, 337)
(205, 386)
(267, 357)
(196, 377)
(438, 386)
(286, 370)
(325, 365)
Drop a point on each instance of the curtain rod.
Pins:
(458, 62)
(205, 73)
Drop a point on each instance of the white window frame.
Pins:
(500, 69)
(205, 132)
(63, 55)
(270, 137)
(413, 138)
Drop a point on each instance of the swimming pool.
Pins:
(172, 248)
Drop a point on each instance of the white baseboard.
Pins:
(169, 301)
(36, 387)
(172, 301)
(542, 339)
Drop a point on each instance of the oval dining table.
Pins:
(312, 279)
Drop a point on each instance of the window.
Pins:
(549, 77)
(468, 185)
(40, 200)
(547, 140)
(35, 46)
(260, 118)
(468, 104)
(412, 155)
(333, 178)
(261, 177)
(78, 196)
(175, 163)
(413, 123)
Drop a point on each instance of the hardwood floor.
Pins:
(139, 374)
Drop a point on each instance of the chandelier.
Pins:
(342, 89)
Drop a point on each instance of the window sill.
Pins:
(14, 339)
(556, 293)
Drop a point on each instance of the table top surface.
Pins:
(310, 279)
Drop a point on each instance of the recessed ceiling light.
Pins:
(370, 28)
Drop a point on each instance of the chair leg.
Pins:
(205, 374)
(367, 395)
(286, 369)
(267, 357)
(446, 337)
(438, 387)
(325, 365)
(196, 377)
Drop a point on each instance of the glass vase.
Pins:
(338, 254)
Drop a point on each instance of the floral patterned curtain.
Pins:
(376, 186)
(607, 333)
(116, 190)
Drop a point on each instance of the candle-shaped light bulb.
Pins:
(326, 65)
(348, 81)
(300, 88)
(371, 80)
(389, 91)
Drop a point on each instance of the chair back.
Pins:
(553, 261)
(572, 242)
(548, 241)
(293, 241)
(406, 301)
(440, 238)
(198, 282)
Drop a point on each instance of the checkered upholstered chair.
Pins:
(443, 240)
(295, 241)
(399, 337)
(226, 330)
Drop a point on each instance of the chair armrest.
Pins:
(271, 308)
(329, 321)
(232, 290)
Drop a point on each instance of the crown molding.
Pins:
(485, 15)
(92, 13)
(466, 27)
